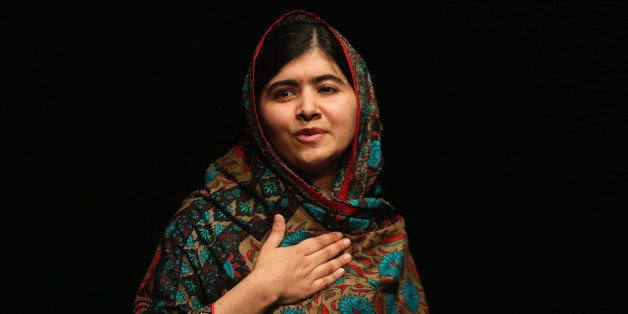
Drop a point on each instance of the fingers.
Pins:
(313, 245)
(328, 260)
(278, 231)
(333, 265)
(330, 271)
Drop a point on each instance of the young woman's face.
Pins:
(309, 113)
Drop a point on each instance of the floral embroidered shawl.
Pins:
(215, 236)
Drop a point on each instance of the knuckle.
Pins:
(299, 250)
(331, 252)
(321, 240)
(329, 268)
(319, 284)
(339, 262)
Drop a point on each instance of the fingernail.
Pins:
(346, 241)
(347, 257)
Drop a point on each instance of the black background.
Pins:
(504, 141)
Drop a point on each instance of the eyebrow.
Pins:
(294, 83)
(325, 77)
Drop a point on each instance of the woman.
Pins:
(292, 218)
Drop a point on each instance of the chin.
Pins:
(312, 164)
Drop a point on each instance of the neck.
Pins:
(324, 177)
(323, 180)
(325, 183)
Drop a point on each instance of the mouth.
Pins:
(310, 134)
(309, 131)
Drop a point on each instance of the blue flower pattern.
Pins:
(374, 155)
(411, 296)
(352, 304)
(391, 264)
(294, 238)
(228, 267)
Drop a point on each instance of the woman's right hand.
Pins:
(296, 272)
(285, 275)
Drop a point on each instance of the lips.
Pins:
(309, 131)
(310, 134)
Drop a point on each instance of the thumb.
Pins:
(276, 234)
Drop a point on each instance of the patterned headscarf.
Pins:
(213, 240)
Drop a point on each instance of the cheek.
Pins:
(272, 121)
(347, 120)
(351, 112)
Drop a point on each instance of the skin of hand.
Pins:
(301, 270)
(285, 275)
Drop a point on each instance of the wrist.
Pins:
(264, 287)
(254, 294)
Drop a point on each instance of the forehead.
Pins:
(313, 62)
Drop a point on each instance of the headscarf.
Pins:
(213, 240)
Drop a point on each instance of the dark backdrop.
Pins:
(504, 142)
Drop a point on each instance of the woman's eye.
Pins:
(283, 93)
(327, 89)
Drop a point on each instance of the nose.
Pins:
(308, 108)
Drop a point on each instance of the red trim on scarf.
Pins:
(345, 185)
(151, 269)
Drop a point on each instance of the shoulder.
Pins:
(194, 217)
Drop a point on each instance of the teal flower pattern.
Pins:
(372, 202)
(190, 240)
(205, 255)
(411, 295)
(391, 305)
(269, 187)
(228, 267)
(209, 177)
(206, 215)
(218, 229)
(294, 238)
(339, 280)
(185, 268)
(358, 223)
(374, 155)
(391, 264)
(317, 212)
(378, 189)
(205, 235)
(292, 310)
(196, 304)
(284, 202)
(179, 296)
(245, 208)
(190, 285)
(352, 304)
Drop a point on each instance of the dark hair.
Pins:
(290, 39)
